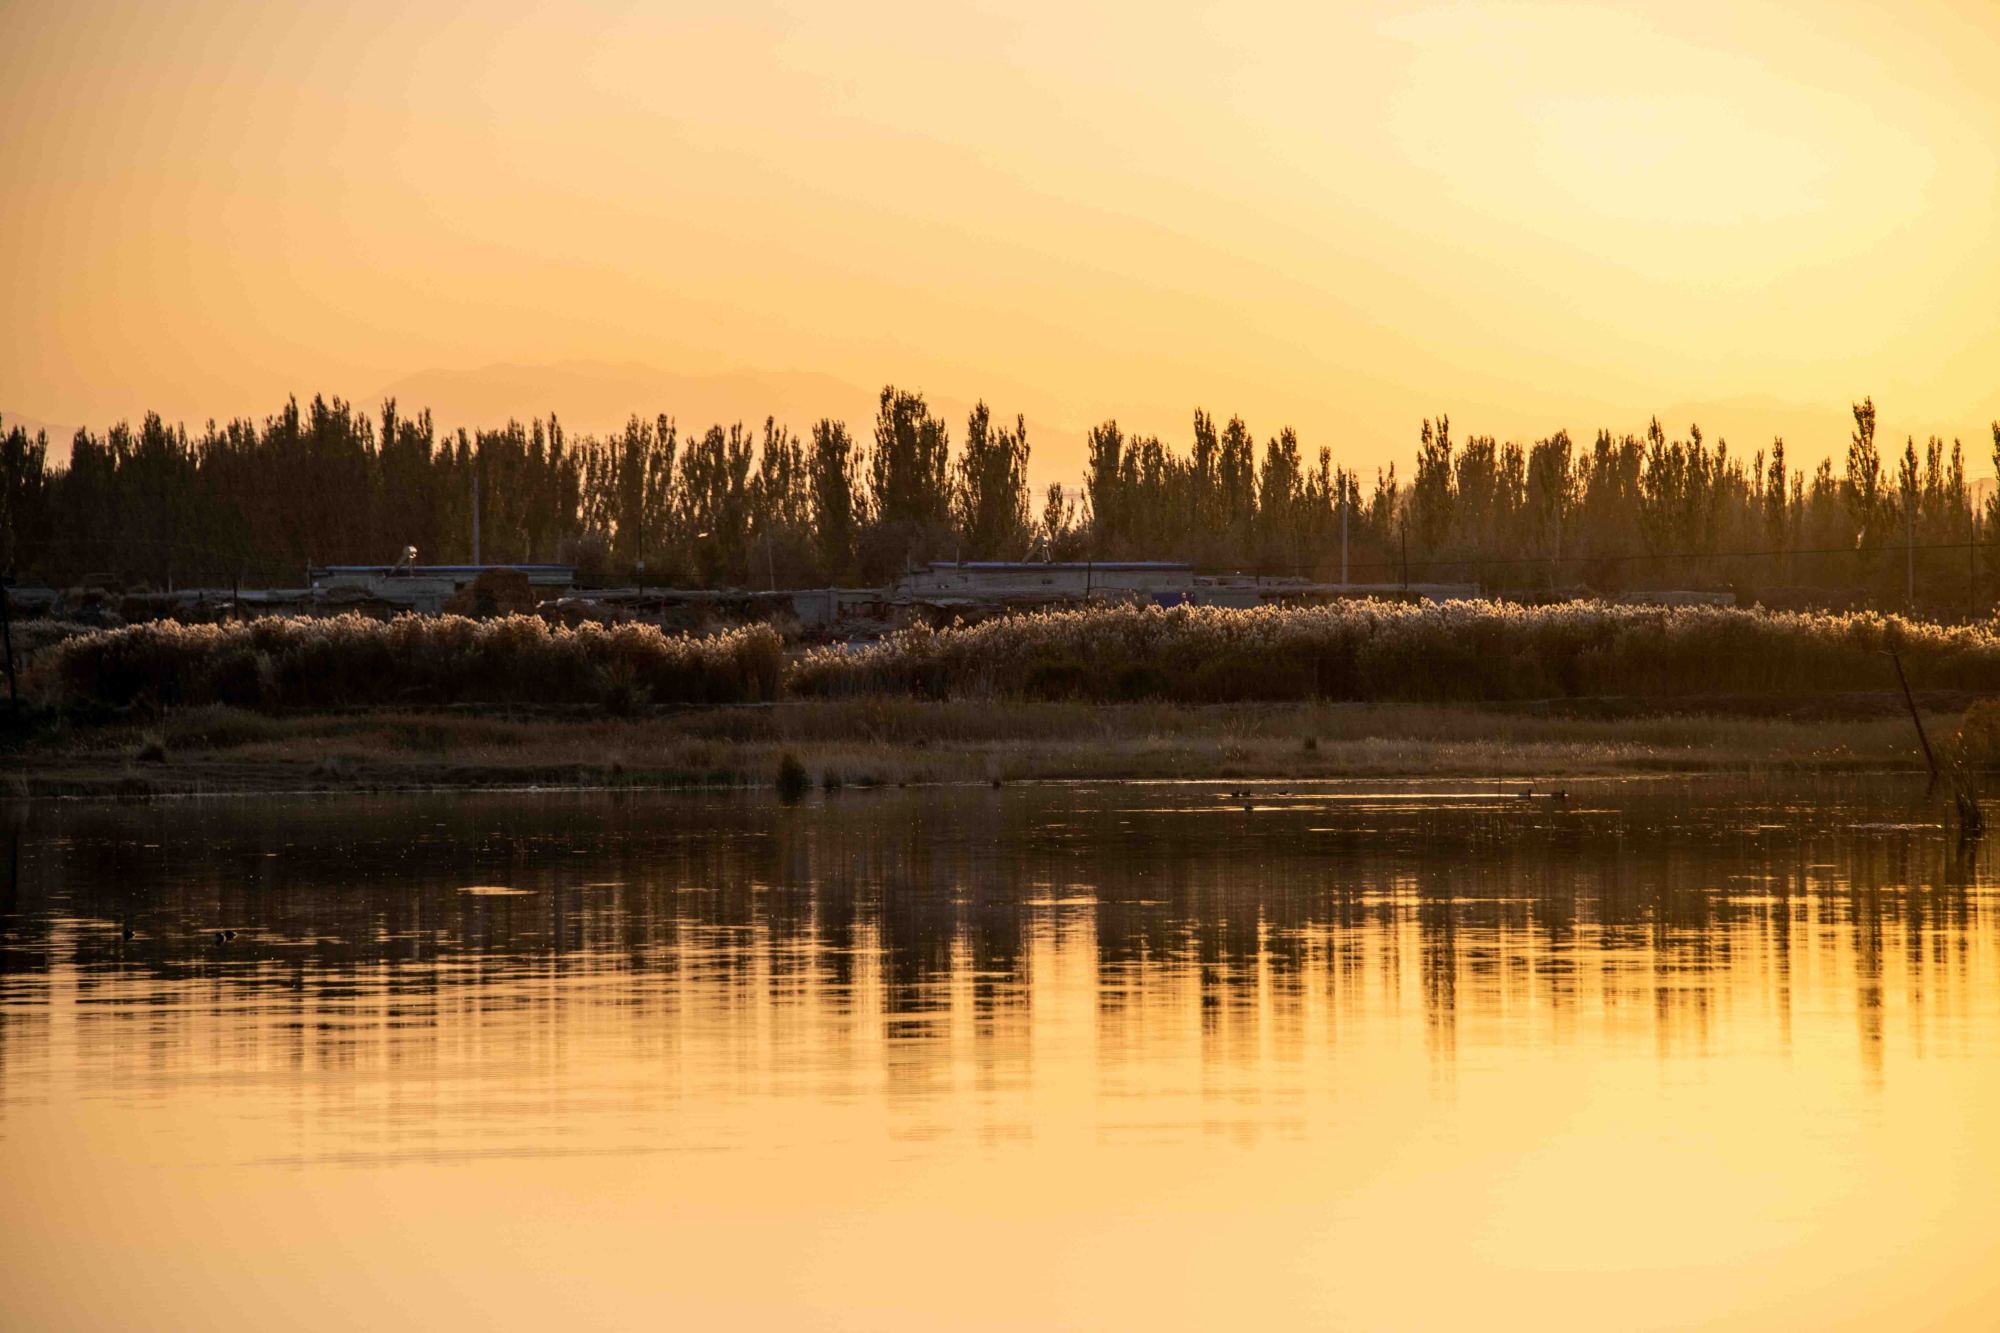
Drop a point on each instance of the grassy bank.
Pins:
(858, 743)
(1354, 690)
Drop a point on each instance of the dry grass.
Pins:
(1368, 651)
(1397, 651)
(31, 637)
(874, 741)
(291, 663)
(252, 706)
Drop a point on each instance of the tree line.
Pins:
(258, 502)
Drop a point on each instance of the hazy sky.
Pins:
(1339, 216)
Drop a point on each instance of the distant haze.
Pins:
(593, 397)
(598, 397)
(1340, 217)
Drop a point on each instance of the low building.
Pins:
(1679, 597)
(999, 583)
(995, 579)
(819, 607)
(429, 587)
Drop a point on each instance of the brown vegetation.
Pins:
(496, 592)
(862, 743)
(1977, 740)
(1462, 689)
(279, 663)
(1383, 651)
(1359, 651)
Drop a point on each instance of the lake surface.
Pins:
(1103, 1056)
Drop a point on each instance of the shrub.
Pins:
(1361, 650)
(1978, 741)
(32, 636)
(277, 662)
(1369, 650)
(793, 781)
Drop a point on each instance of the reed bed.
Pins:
(1356, 651)
(342, 661)
(1458, 651)
(31, 637)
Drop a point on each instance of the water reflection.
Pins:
(540, 974)
(1118, 1056)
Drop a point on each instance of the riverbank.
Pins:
(884, 741)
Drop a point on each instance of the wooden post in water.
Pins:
(1915, 717)
(1971, 820)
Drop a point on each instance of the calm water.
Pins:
(1099, 1056)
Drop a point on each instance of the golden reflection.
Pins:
(1711, 1030)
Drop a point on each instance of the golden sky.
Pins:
(1342, 217)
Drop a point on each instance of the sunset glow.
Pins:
(1343, 218)
(999, 665)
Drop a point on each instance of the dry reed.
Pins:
(340, 661)
(1368, 650)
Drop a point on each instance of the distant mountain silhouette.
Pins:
(9, 420)
(596, 397)
(59, 436)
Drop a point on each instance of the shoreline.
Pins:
(886, 742)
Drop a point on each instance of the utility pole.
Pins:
(7, 641)
(1910, 549)
(1343, 531)
(475, 512)
(1555, 565)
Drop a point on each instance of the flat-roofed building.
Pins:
(1046, 578)
(429, 587)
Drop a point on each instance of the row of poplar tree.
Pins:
(322, 483)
